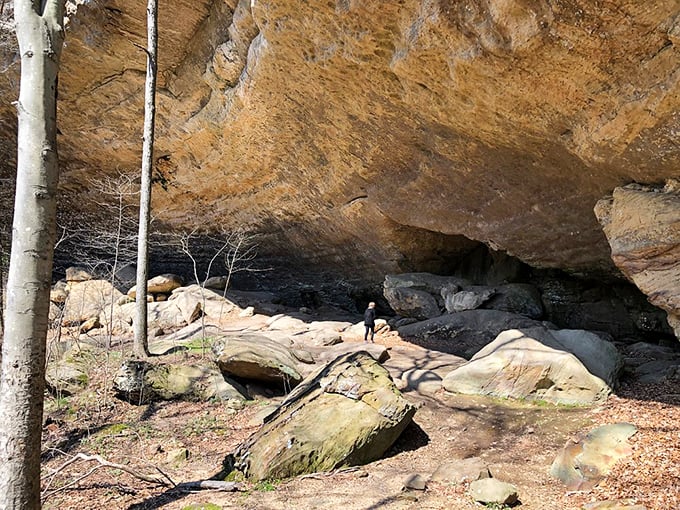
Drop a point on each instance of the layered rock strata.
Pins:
(642, 224)
(375, 137)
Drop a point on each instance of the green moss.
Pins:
(115, 429)
(235, 476)
(202, 506)
(199, 344)
(266, 485)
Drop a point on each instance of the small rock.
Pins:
(178, 455)
(58, 296)
(90, 324)
(461, 470)
(78, 274)
(247, 312)
(415, 482)
(490, 490)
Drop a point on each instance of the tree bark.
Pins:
(40, 33)
(141, 346)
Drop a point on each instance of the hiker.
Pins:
(369, 321)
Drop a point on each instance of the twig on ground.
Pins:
(321, 475)
(161, 479)
(215, 485)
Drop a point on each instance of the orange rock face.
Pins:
(377, 136)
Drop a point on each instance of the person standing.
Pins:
(369, 321)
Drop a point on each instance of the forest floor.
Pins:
(182, 441)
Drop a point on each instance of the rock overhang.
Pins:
(378, 138)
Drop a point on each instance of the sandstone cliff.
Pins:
(376, 136)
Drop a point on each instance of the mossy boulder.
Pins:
(141, 382)
(347, 413)
(68, 367)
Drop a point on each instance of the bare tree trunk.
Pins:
(141, 346)
(39, 28)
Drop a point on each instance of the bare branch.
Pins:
(160, 479)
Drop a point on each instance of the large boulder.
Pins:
(161, 284)
(521, 298)
(75, 274)
(348, 413)
(536, 364)
(88, 299)
(469, 299)
(409, 302)
(67, 370)
(463, 333)
(642, 227)
(194, 301)
(427, 282)
(257, 358)
(140, 382)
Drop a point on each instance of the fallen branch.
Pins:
(209, 485)
(160, 479)
(325, 474)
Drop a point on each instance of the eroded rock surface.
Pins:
(642, 225)
(563, 367)
(388, 133)
(348, 413)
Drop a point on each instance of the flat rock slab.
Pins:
(582, 464)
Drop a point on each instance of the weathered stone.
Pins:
(282, 322)
(258, 358)
(490, 490)
(90, 324)
(194, 300)
(67, 367)
(78, 274)
(436, 105)
(320, 337)
(140, 382)
(642, 227)
(598, 355)
(218, 283)
(535, 364)
(88, 299)
(348, 413)
(376, 351)
(463, 333)
(521, 298)
(427, 282)
(583, 463)
(177, 456)
(461, 470)
(161, 284)
(468, 299)
(414, 303)
(58, 296)
(416, 482)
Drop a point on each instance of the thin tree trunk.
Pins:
(141, 346)
(39, 28)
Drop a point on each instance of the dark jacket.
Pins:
(369, 317)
